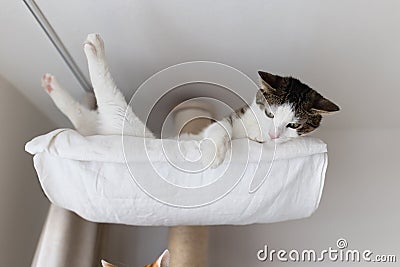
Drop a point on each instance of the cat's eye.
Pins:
(293, 125)
(269, 114)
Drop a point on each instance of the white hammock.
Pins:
(89, 175)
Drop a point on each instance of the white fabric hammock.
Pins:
(92, 176)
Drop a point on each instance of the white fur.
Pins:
(253, 124)
(163, 260)
(113, 112)
(81, 117)
(283, 115)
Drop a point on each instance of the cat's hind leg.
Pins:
(114, 113)
(83, 119)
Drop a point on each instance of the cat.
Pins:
(162, 261)
(283, 108)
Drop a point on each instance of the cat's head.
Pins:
(162, 261)
(294, 107)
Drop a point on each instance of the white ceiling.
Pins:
(347, 50)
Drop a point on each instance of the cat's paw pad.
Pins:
(94, 45)
(48, 82)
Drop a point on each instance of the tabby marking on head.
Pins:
(306, 104)
(283, 108)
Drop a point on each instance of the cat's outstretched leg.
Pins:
(83, 119)
(114, 113)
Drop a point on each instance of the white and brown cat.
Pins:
(162, 261)
(282, 109)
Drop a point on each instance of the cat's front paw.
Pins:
(94, 46)
(49, 82)
(213, 153)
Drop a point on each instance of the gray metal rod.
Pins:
(58, 44)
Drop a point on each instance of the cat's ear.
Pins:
(106, 264)
(323, 105)
(269, 82)
(163, 260)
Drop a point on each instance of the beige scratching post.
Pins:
(189, 244)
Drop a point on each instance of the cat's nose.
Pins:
(273, 135)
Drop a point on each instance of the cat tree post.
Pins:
(189, 244)
(66, 240)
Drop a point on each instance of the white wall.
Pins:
(360, 203)
(22, 204)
